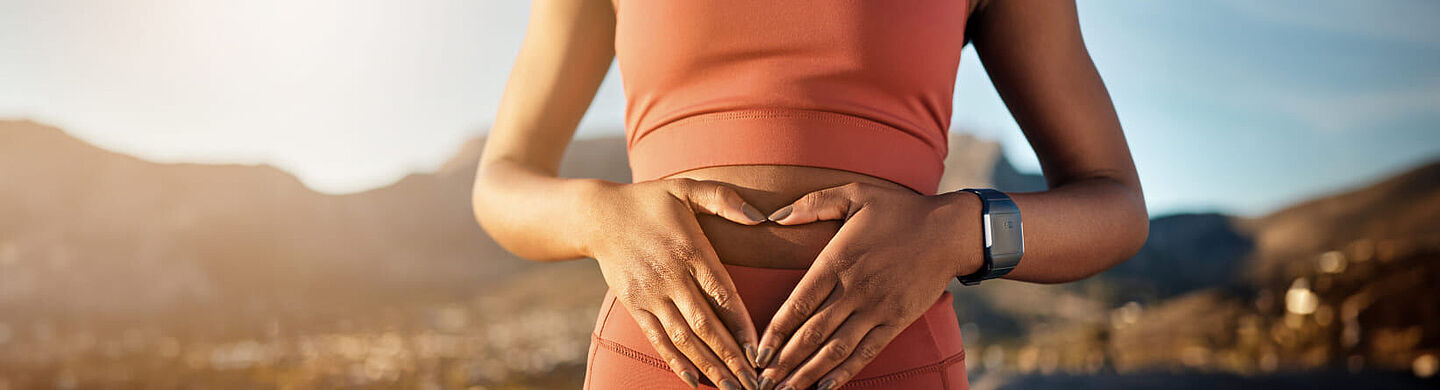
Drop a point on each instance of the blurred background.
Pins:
(275, 194)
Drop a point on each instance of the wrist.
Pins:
(961, 212)
(590, 195)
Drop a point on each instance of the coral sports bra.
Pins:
(858, 85)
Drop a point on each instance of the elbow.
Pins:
(487, 218)
(1139, 223)
(491, 225)
(1131, 226)
(1125, 237)
(1134, 232)
(478, 190)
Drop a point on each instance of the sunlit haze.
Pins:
(1279, 100)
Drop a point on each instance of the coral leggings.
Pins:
(926, 355)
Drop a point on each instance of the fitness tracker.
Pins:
(1004, 242)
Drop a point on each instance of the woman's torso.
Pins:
(859, 59)
(769, 187)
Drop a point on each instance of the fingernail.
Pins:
(763, 358)
(766, 382)
(750, 381)
(827, 384)
(787, 387)
(690, 379)
(729, 384)
(750, 354)
(753, 213)
(782, 213)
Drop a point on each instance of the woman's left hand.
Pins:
(890, 260)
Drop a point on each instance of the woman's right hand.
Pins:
(659, 264)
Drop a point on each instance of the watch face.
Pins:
(1004, 234)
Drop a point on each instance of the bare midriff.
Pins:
(770, 187)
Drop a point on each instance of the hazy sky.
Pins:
(1235, 106)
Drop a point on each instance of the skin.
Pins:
(877, 253)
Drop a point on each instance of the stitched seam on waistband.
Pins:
(894, 376)
(932, 367)
(630, 353)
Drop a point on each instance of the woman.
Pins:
(784, 228)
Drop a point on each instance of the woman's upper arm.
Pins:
(568, 48)
(1034, 54)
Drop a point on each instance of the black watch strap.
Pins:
(1004, 239)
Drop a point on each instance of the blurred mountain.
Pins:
(1184, 253)
(1342, 282)
(91, 231)
(1399, 206)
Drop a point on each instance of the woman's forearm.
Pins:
(532, 213)
(1079, 229)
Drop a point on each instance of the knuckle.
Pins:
(892, 312)
(681, 338)
(649, 290)
(715, 371)
(801, 307)
(817, 197)
(655, 336)
(845, 262)
(812, 337)
(631, 294)
(721, 296)
(844, 191)
(625, 293)
(868, 284)
(683, 184)
(837, 350)
(701, 324)
(634, 297)
(734, 360)
(721, 193)
(868, 351)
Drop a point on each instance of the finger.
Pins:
(717, 287)
(838, 348)
(865, 352)
(707, 325)
(660, 339)
(813, 290)
(815, 332)
(834, 203)
(683, 336)
(718, 199)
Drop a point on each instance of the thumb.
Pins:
(834, 203)
(718, 199)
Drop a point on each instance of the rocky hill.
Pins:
(1341, 283)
